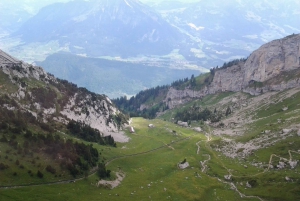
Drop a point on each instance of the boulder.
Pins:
(151, 126)
(183, 124)
(183, 165)
(248, 185)
(227, 177)
(285, 130)
(280, 165)
(198, 129)
(293, 164)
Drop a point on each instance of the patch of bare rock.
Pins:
(112, 184)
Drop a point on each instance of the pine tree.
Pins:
(228, 111)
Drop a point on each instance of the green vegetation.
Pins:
(195, 113)
(30, 146)
(37, 152)
(153, 98)
(85, 132)
(148, 103)
(40, 145)
(155, 174)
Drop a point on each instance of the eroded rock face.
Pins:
(267, 62)
(271, 59)
(98, 111)
(263, 64)
(229, 79)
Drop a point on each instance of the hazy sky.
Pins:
(37, 4)
(186, 1)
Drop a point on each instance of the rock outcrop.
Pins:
(51, 99)
(267, 62)
(272, 67)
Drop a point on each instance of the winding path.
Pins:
(204, 166)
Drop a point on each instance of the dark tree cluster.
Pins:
(75, 157)
(87, 133)
(153, 95)
(132, 106)
(195, 113)
(3, 166)
(232, 63)
(102, 171)
(178, 83)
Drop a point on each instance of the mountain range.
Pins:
(119, 28)
(240, 120)
(177, 35)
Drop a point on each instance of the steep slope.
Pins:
(51, 100)
(98, 28)
(275, 66)
(50, 130)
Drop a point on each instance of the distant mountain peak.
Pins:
(100, 28)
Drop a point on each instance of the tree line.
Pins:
(87, 133)
(153, 96)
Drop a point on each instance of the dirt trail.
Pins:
(233, 187)
(112, 184)
(203, 163)
(204, 167)
(198, 149)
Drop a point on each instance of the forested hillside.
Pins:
(152, 102)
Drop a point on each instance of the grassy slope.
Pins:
(158, 168)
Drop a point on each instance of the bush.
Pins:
(253, 183)
(3, 166)
(39, 174)
(102, 172)
(50, 169)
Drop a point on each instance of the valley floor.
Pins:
(146, 168)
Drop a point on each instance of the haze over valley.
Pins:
(190, 36)
(149, 100)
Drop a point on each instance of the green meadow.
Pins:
(150, 162)
(153, 175)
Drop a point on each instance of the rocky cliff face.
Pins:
(50, 99)
(274, 66)
(267, 62)
(271, 59)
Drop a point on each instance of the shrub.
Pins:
(39, 174)
(3, 166)
(50, 169)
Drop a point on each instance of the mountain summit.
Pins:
(106, 27)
